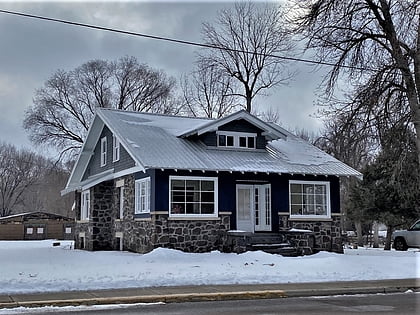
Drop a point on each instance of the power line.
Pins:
(178, 41)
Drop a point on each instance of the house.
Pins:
(36, 226)
(145, 180)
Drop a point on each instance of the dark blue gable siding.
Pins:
(210, 138)
(94, 166)
(227, 190)
(240, 125)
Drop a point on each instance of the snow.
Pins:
(299, 230)
(81, 308)
(37, 266)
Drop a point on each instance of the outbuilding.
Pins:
(36, 226)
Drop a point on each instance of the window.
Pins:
(309, 199)
(115, 149)
(236, 140)
(40, 230)
(142, 199)
(192, 196)
(121, 202)
(103, 151)
(85, 208)
(29, 230)
(68, 230)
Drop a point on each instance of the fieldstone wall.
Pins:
(82, 228)
(83, 242)
(327, 233)
(102, 215)
(143, 234)
(191, 235)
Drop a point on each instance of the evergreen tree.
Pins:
(390, 190)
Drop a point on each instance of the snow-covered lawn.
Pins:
(37, 266)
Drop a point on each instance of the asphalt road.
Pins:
(401, 303)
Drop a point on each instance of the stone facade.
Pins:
(327, 234)
(143, 235)
(106, 230)
(96, 233)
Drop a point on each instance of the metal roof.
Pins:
(155, 141)
(159, 142)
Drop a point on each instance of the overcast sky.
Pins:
(31, 50)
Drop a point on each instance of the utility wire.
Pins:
(179, 41)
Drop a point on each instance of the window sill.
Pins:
(192, 218)
(303, 218)
(142, 215)
(83, 221)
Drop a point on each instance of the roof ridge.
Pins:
(153, 114)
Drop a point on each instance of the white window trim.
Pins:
(121, 208)
(30, 230)
(194, 215)
(137, 198)
(84, 208)
(115, 149)
(39, 230)
(236, 136)
(328, 196)
(103, 151)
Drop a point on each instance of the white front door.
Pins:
(253, 205)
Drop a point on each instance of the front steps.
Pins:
(274, 243)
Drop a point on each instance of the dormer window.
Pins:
(241, 140)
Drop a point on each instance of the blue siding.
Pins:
(94, 166)
(227, 190)
(240, 125)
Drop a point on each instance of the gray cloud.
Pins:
(31, 50)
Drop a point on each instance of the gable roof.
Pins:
(160, 142)
(270, 132)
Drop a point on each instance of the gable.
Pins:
(239, 120)
(94, 166)
(240, 125)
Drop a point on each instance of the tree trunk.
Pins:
(389, 230)
(248, 103)
(358, 226)
(375, 228)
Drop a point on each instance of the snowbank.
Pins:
(37, 266)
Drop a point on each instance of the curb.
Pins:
(169, 298)
(306, 290)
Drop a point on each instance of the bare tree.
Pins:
(247, 38)
(44, 194)
(138, 87)
(375, 44)
(63, 108)
(18, 170)
(349, 141)
(269, 115)
(207, 92)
